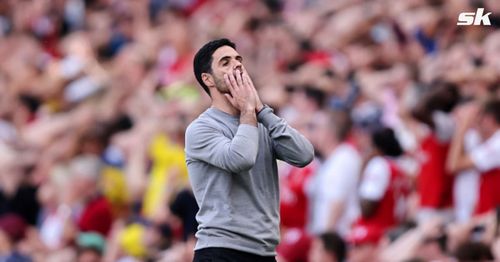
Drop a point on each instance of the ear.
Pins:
(208, 79)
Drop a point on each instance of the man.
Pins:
(334, 202)
(434, 184)
(384, 187)
(96, 214)
(379, 181)
(485, 157)
(231, 152)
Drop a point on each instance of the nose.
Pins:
(237, 65)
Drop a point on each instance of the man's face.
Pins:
(224, 61)
(320, 126)
(82, 187)
(487, 126)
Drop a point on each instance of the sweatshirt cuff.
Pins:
(267, 117)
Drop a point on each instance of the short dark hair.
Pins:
(385, 141)
(444, 97)
(334, 244)
(202, 62)
(492, 107)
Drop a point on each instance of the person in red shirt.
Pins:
(294, 208)
(383, 186)
(96, 213)
(382, 193)
(363, 243)
(294, 246)
(434, 184)
(293, 197)
(485, 158)
(294, 204)
(96, 216)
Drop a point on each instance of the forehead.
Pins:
(224, 51)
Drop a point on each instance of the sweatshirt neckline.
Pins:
(222, 113)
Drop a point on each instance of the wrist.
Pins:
(249, 109)
(248, 116)
(259, 107)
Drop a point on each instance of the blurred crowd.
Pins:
(400, 103)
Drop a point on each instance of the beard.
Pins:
(221, 86)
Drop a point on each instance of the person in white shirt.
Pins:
(485, 158)
(466, 186)
(334, 204)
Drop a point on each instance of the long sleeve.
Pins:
(289, 145)
(233, 172)
(206, 143)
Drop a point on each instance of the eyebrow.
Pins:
(238, 57)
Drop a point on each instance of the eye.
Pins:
(225, 63)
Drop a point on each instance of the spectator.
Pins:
(334, 201)
(489, 128)
(90, 247)
(435, 185)
(295, 245)
(184, 207)
(294, 203)
(383, 187)
(363, 243)
(96, 215)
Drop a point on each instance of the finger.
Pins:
(257, 97)
(239, 80)
(246, 76)
(228, 83)
(233, 82)
(246, 83)
(255, 92)
(248, 80)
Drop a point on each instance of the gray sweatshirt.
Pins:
(232, 169)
